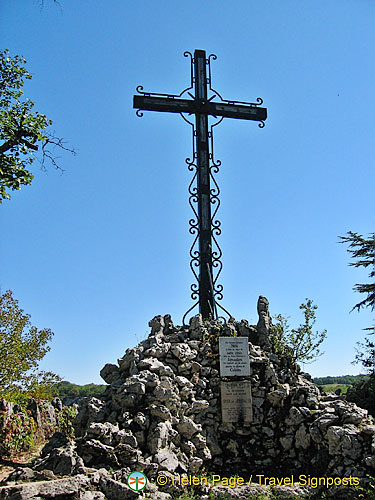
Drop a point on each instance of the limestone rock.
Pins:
(264, 322)
(183, 352)
(110, 373)
(115, 490)
(302, 438)
(151, 364)
(58, 488)
(166, 459)
(187, 427)
(157, 325)
(158, 436)
(344, 440)
(35, 412)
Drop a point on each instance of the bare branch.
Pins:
(54, 141)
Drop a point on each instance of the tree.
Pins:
(22, 346)
(363, 251)
(302, 344)
(23, 131)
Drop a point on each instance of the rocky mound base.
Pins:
(161, 414)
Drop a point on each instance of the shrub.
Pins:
(17, 432)
(65, 420)
(362, 393)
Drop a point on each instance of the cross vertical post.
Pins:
(206, 293)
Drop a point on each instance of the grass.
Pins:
(331, 388)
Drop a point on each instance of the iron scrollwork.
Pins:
(194, 223)
(214, 167)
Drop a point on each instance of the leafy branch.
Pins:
(23, 131)
(363, 250)
(301, 343)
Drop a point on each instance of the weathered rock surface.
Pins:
(77, 486)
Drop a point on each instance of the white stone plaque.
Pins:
(234, 356)
(236, 402)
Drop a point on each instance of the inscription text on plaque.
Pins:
(234, 357)
(236, 402)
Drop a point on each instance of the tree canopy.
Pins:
(23, 131)
(362, 251)
(22, 346)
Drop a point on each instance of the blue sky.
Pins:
(95, 253)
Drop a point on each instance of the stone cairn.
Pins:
(161, 412)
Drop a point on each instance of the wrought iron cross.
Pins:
(204, 226)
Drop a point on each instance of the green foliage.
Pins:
(367, 492)
(341, 379)
(65, 388)
(362, 393)
(329, 388)
(278, 336)
(22, 130)
(302, 344)
(366, 355)
(65, 419)
(362, 250)
(22, 346)
(17, 432)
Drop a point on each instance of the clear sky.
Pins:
(95, 253)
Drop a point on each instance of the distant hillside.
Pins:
(67, 389)
(341, 379)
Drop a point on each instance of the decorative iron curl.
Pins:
(187, 312)
(219, 292)
(261, 124)
(189, 54)
(215, 191)
(246, 103)
(195, 262)
(195, 255)
(217, 264)
(194, 291)
(216, 229)
(214, 214)
(217, 254)
(194, 226)
(215, 166)
(139, 113)
(190, 163)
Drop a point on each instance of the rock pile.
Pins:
(161, 412)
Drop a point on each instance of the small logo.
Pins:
(137, 481)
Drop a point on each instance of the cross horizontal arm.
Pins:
(167, 104)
